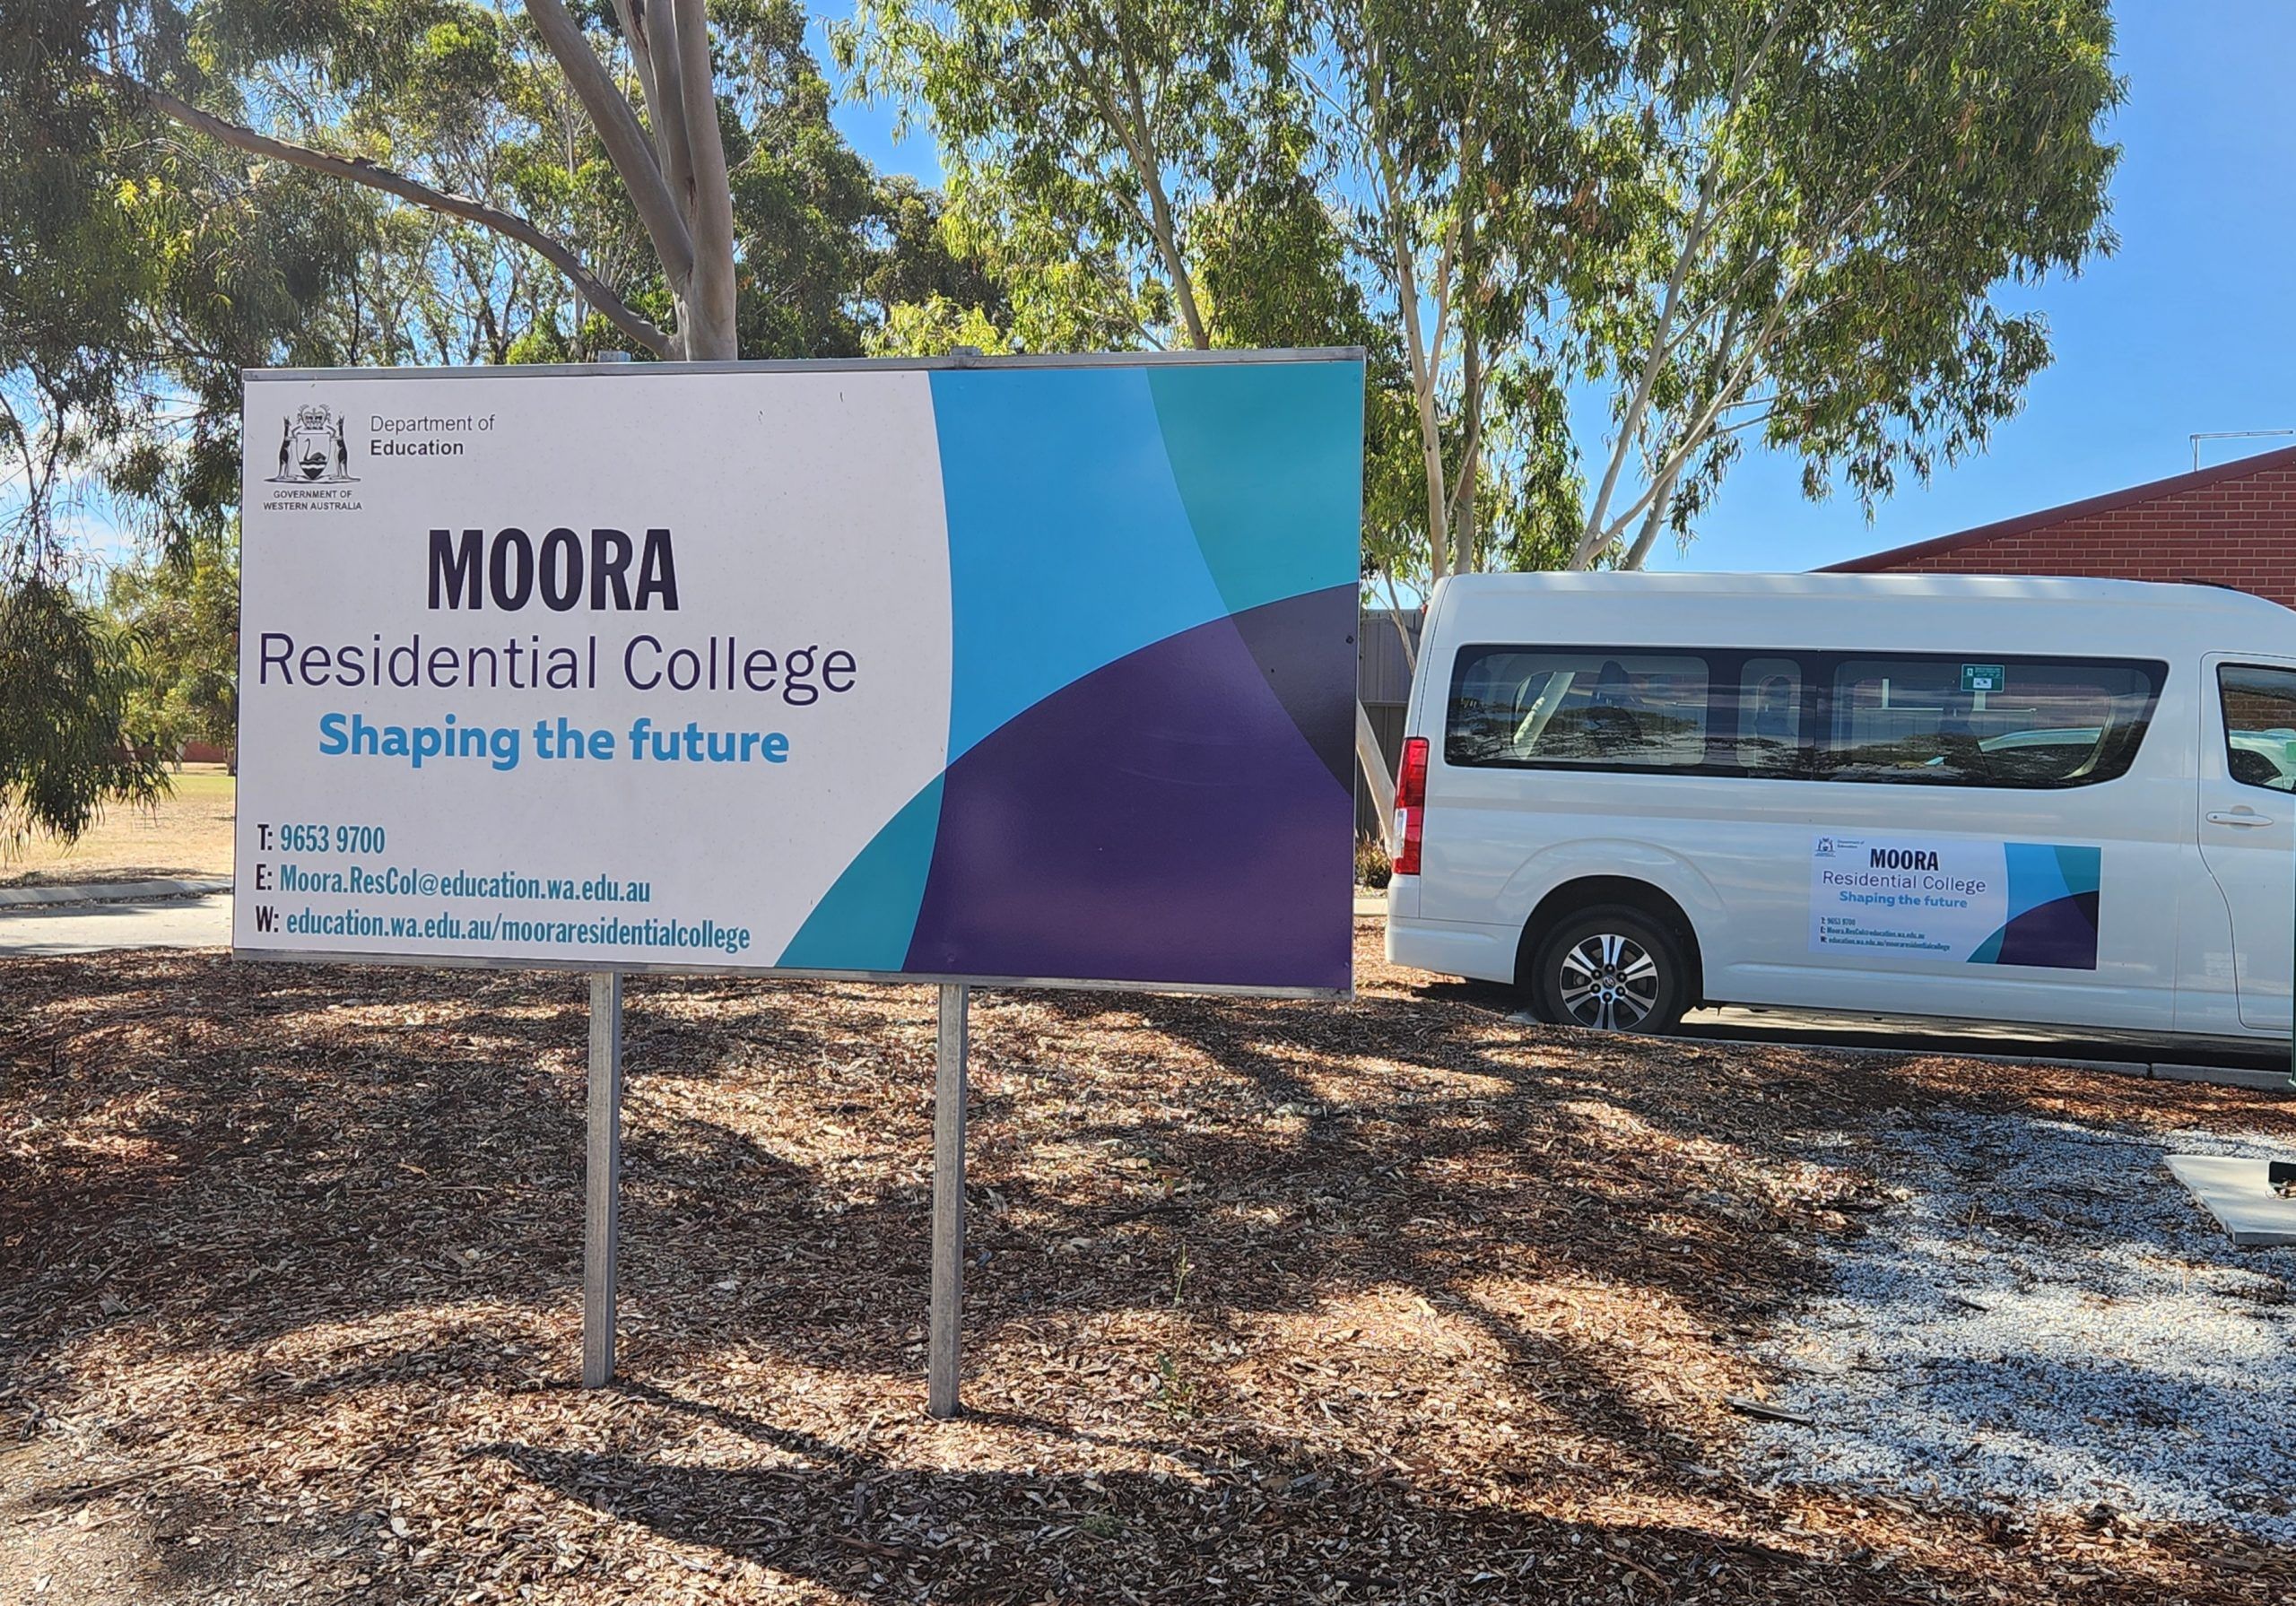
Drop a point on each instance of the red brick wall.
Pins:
(2238, 532)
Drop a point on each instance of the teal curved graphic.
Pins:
(866, 919)
(1069, 545)
(1266, 458)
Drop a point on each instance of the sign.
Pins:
(1012, 670)
(1956, 900)
(1983, 677)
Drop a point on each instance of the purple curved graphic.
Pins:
(2061, 935)
(1162, 819)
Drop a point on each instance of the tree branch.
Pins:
(358, 170)
(1159, 202)
(624, 140)
(1739, 375)
(1591, 539)
(1652, 521)
(713, 335)
(664, 84)
(1381, 169)
(1131, 131)
(1374, 765)
(1402, 631)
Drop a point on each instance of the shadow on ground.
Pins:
(1264, 1299)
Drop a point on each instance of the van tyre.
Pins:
(1611, 968)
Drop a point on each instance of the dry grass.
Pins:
(1275, 1302)
(187, 834)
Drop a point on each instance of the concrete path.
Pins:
(107, 892)
(41, 929)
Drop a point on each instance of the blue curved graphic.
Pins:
(1068, 543)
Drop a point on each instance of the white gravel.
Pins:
(2047, 1319)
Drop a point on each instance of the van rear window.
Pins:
(1513, 705)
(1922, 718)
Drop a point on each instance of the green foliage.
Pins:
(1774, 219)
(182, 612)
(1087, 135)
(141, 267)
(1824, 201)
(917, 262)
(68, 741)
(1373, 868)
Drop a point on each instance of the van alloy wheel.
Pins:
(1611, 969)
(1610, 982)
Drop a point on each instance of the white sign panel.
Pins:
(884, 669)
(1958, 900)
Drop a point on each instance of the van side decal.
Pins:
(1956, 900)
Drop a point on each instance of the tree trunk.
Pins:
(1374, 765)
(1652, 523)
(712, 336)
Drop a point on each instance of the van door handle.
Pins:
(2237, 817)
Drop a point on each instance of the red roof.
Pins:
(2150, 491)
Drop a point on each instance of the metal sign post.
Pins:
(601, 1178)
(948, 1204)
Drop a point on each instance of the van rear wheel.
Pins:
(1612, 969)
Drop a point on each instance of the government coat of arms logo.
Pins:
(312, 450)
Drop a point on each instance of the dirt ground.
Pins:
(1390, 1301)
(187, 834)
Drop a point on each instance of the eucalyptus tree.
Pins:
(1824, 201)
(1084, 138)
(180, 612)
(138, 274)
(1731, 220)
(218, 68)
(1140, 173)
(192, 186)
(1463, 156)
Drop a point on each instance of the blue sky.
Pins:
(2191, 325)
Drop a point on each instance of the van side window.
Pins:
(1941, 721)
(1578, 706)
(2259, 724)
(1768, 733)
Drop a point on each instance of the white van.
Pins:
(2054, 800)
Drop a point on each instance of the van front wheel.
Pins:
(1612, 969)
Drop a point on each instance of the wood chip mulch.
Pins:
(1394, 1300)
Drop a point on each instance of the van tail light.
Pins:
(1411, 805)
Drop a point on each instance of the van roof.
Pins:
(2187, 598)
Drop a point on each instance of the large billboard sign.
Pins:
(1014, 671)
